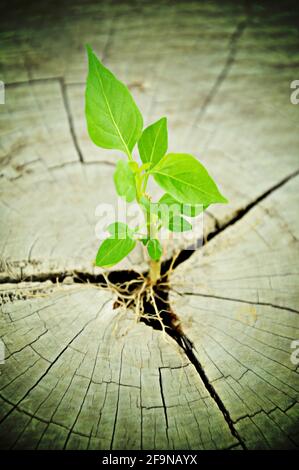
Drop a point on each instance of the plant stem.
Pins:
(145, 181)
(138, 187)
(130, 157)
(155, 266)
(151, 226)
(155, 271)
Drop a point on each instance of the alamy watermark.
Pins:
(180, 222)
(2, 352)
(295, 354)
(294, 97)
(2, 92)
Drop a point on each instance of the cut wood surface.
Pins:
(78, 373)
(239, 304)
(80, 377)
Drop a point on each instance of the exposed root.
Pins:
(148, 302)
(134, 291)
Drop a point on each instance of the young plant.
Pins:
(115, 122)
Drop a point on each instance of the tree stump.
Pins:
(80, 373)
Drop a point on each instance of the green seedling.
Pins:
(115, 122)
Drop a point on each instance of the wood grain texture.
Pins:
(78, 374)
(51, 221)
(55, 220)
(239, 303)
(35, 129)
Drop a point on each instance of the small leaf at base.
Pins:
(113, 250)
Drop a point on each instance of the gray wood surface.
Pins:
(239, 304)
(78, 373)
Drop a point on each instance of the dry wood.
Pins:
(79, 374)
(239, 303)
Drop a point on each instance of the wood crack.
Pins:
(163, 402)
(212, 392)
(243, 301)
(16, 405)
(118, 396)
(70, 119)
(233, 43)
(242, 212)
(183, 255)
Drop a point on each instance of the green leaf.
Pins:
(113, 250)
(179, 224)
(113, 119)
(154, 249)
(153, 143)
(124, 181)
(185, 209)
(119, 230)
(185, 178)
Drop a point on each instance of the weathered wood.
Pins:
(246, 132)
(259, 120)
(50, 221)
(35, 130)
(149, 36)
(52, 227)
(77, 375)
(240, 306)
